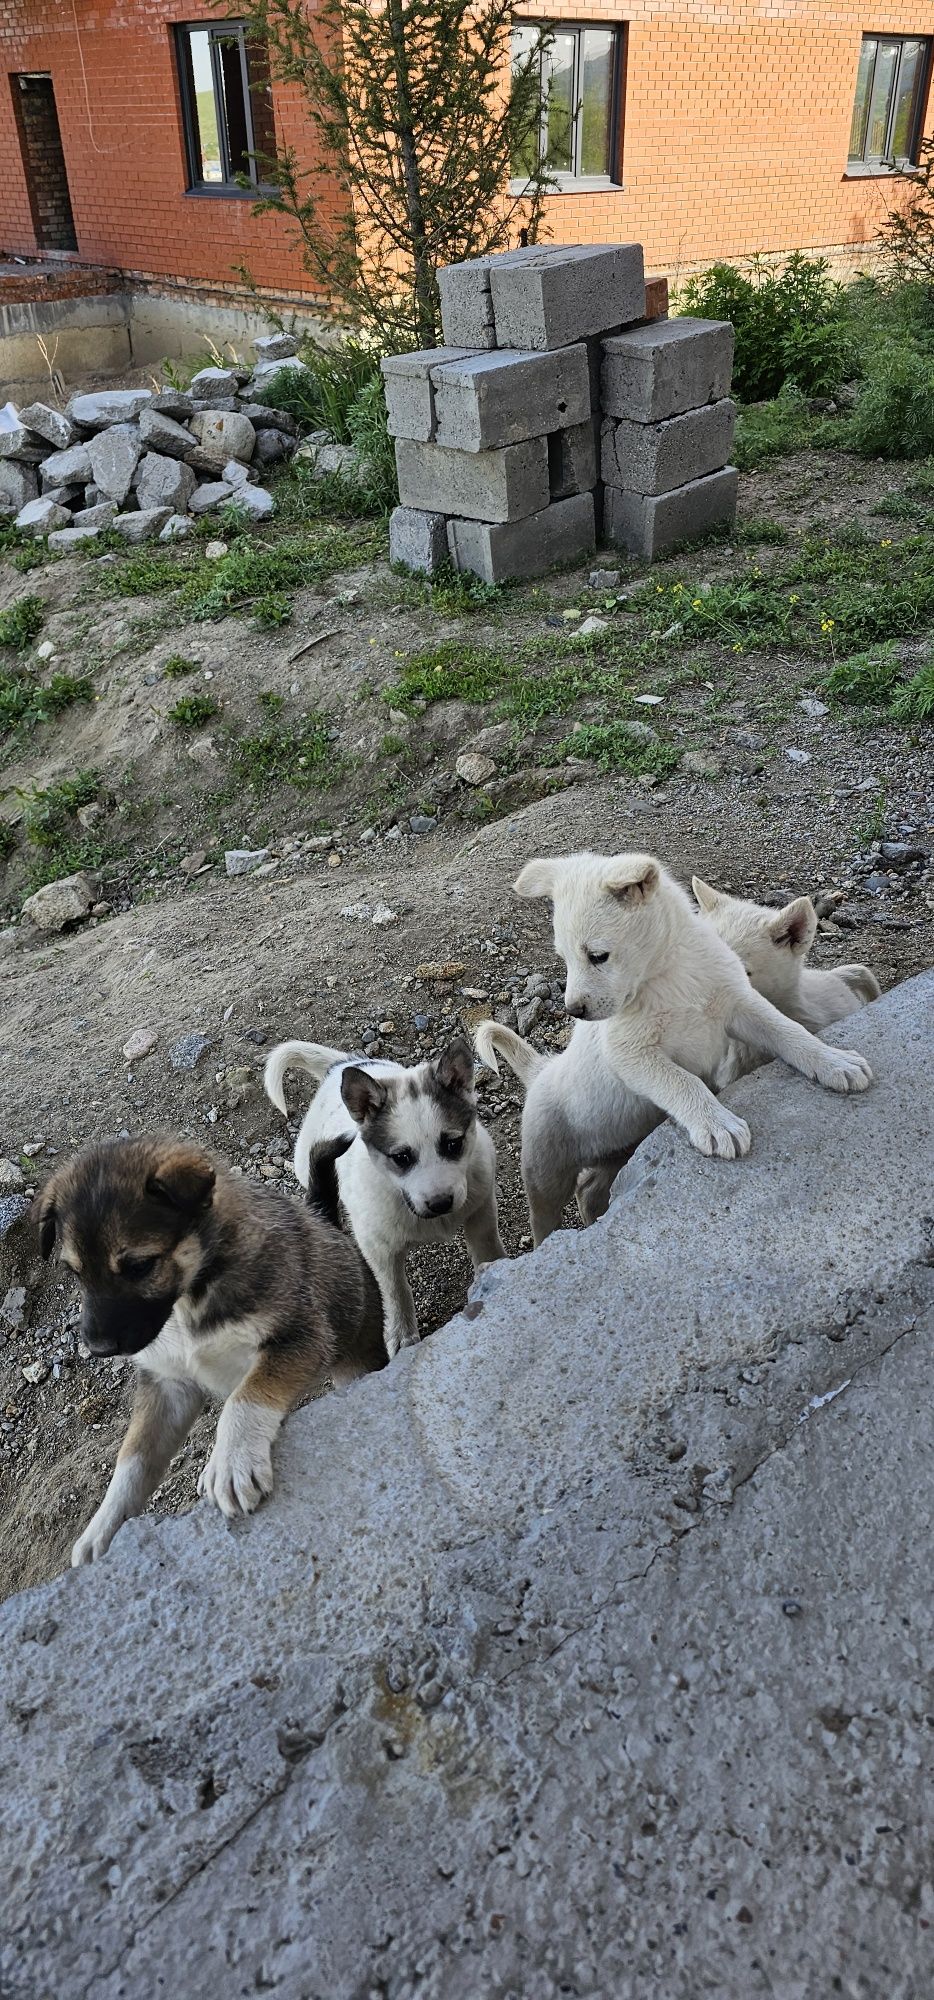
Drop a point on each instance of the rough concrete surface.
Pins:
(648, 524)
(585, 1652)
(495, 551)
(481, 485)
(655, 458)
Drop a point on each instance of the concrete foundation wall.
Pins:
(130, 329)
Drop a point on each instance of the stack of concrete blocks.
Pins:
(503, 437)
(498, 432)
(667, 433)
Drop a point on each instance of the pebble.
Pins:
(649, 700)
(798, 756)
(604, 579)
(214, 551)
(35, 1371)
(141, 1043)
(45, 651)
(421, 1022)
(473, 768)
(591, 627)
(12, 1308)
(242, 860)
(898, 854)
(11, 1177)
(423, 822)
(187, 1052)
(193, 863)
(383, 915)
(809, 705)
(12, 1208)
(529, 1015)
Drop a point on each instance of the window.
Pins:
(890, 91)
(226, 106)
(580, 71)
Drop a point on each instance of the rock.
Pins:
(528, 1016)
(187, 1052)
(206, 499)
(474, 768)
(142, 526)
(275, 346)
(164, 482)
(193, 863)
(383, 915)
(16, 441)
(73, 538)
(141, 1043)
(324, 459)
(809, 705)
(236, 473)
(56, 429)
(264, 417)
(38, 517)
(66, 468)
(173, 403)
(12, 1306)
(114, 455)
(211, 383)
(11, 1177)
(243, 860)
(59, 903)
(96, 517)
(272, 446)
(265, 372)
(591, 628)
(46, 651)
(255, 502)
(604, 579)
(215, 551)
(900, 854)
(160, 433)
(423, 822)
(72, 496)
(13, 1207)
(35, 1372)
(176, 528)
(18, 485)
(104, 407)
(224, 434)
(798, 756)
(90, 815)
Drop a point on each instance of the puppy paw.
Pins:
(843, 1070)
(726, 1137)
(95, 1541)
(238, 1474)
(396, 1337)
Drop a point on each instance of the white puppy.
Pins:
(774, 945)
(661, 1006)
(421, 1166)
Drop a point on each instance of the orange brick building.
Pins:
(703, 128)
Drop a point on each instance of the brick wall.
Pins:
(736, 121)
(36, 119)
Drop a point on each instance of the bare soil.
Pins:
(296, 951)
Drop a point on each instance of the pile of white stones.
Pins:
(556, 411)
(146, 464)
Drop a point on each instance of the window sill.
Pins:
(226, 193)
(859, 170)
(569, 184)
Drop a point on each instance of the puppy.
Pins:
(774, 947)
(662, 1007)
(217, 1288)
(420, 1167)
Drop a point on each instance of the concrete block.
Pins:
(655, 458)
(649, 524)
(562, 297)
(18, 485)
(418, 539)
(573, 457)
(500, 485)
(164, 483)
(466, 302)
(66, 468)
(665, 368)
(496, 551)
(497, 399)
(114, 455)
(49, 424)
(407, 382)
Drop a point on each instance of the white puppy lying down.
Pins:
(660, 1004)
(421, 1166)
(774, 944)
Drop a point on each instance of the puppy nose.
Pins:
(576, 1008)
(441, 1204)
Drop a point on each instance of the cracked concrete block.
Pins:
(655, 458)
(418, 539)
(667, 367)
(407, 383)
(497, 399)
(114, 455)
(211, 1738)
(648, 524)
(573, 457)
(164, 482)
(500, 485)
(562, 532)
(58, 430)
(562, 297)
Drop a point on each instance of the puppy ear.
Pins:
(631, 878)
(705, 897)
(796, 926)
(363, 1094)
(454, 1067)
(537, 878)
(184, 1178)
(47, 1218)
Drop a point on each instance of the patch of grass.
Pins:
(920, 485)
(451, 671)
(616, 746)
(272, 702)
(191, 710)
(897, 507)
(758, 532)
(47, 814)
(177, 667)
(21, 623)
(828, 598)
(872, 826)
(272, 610)
(864, 680)
(24, 701)
(299, 753)
(773, 430)
(392, 746)
(915, 701)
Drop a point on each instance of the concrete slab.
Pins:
(648, 524)
(481, 485)
(562, 532)
(662, 369)
(655, 458)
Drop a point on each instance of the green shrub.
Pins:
(865, 680)
(915, 701)
(177, 667)
(894, 414)
(24, 701)
(192, 710)
(47, 814)
(791, 324)
(322, 399)
(771, 430)
(21, 623)
(299, 753)
(617, 746)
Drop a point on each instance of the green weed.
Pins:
(24, 701)
(758, 532)
(915, 701)
(299, 753)
(617, 746)
(193, 709)
(864, 680)
(47, 814)
(177, 667)
(21, 623)
(772, 430)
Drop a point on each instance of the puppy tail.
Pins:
(492, 1039)
(323, 1192)
(860, 981)
(312, 1057)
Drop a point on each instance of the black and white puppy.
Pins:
(421, 1166)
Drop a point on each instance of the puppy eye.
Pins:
(404, 1159)
(598, 957)
(138, 1267)
(451, 1145)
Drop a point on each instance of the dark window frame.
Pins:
(857, 163)
(229, 187)
(575, 182)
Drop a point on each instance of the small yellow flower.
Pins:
(885, 544)
(826, 624)
(794, 598)
(697, 604)
(737, 649)
(659, 590)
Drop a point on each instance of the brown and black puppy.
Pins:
(218, 1288)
